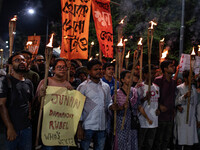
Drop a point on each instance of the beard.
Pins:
(21, 68)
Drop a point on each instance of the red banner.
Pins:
(75, 28)
(33, 44)
(103, 24)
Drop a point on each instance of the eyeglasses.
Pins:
(17, 60)
(61, 67)
(40, 60)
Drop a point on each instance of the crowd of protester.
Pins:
(156, 118)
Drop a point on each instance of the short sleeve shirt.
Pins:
(19, 95)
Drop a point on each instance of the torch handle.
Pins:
(135, 61)
(189, 89)
(115, 96)
(48, 54)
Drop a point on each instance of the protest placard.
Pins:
(185, 63)
(62, 112)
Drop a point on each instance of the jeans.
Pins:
(146, 138)
(23, 140)
(163, 135)
(55, 148)
(98, 137)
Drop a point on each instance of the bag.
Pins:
(135, 123)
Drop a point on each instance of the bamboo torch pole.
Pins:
(48, 54)
(150, 33)
(140, 48)
(12, 32)
(115, 96)
(120, 46)
(192, 60)
(135, 61)
(123, 53)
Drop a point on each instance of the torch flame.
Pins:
(50, 41)
(162, 40)
(120, 43)
(29, 43)
(199, 48)
(152, 24)
(92, 43)
(193, 52)
(164, 54)
(14, 18)
(140, 42)
(125, 40)
(122, 21)
(90, 58)
(128, 55)
(113, 60)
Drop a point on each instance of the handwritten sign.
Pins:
(62, 111)
(75, 28)
(103, 24)
(185, 63)
(33, 48)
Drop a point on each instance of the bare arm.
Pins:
(141, 109)
(11, 134)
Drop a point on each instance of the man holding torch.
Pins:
(186, 132)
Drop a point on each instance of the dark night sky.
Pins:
(26, 24)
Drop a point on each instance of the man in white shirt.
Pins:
(98, 98)
(147, 131)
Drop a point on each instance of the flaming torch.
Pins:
(120, 28)
(161, 45)
(140, 48)
(97, 56)
(12, 32)
(115, 91)
(135, 61)
(120, 46)
(192, 61)
(124, 49)
(198, 50)
(150, 34)
(1, 53)
(48, 54)
(29, 43)
(91, 46)
(164, 55)
(127, 59)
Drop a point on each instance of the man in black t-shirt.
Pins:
(16, 94)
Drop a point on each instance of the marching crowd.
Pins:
(166, 116)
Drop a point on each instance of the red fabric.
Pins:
(103, 24)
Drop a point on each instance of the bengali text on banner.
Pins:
(103, 24)
(75, 28)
